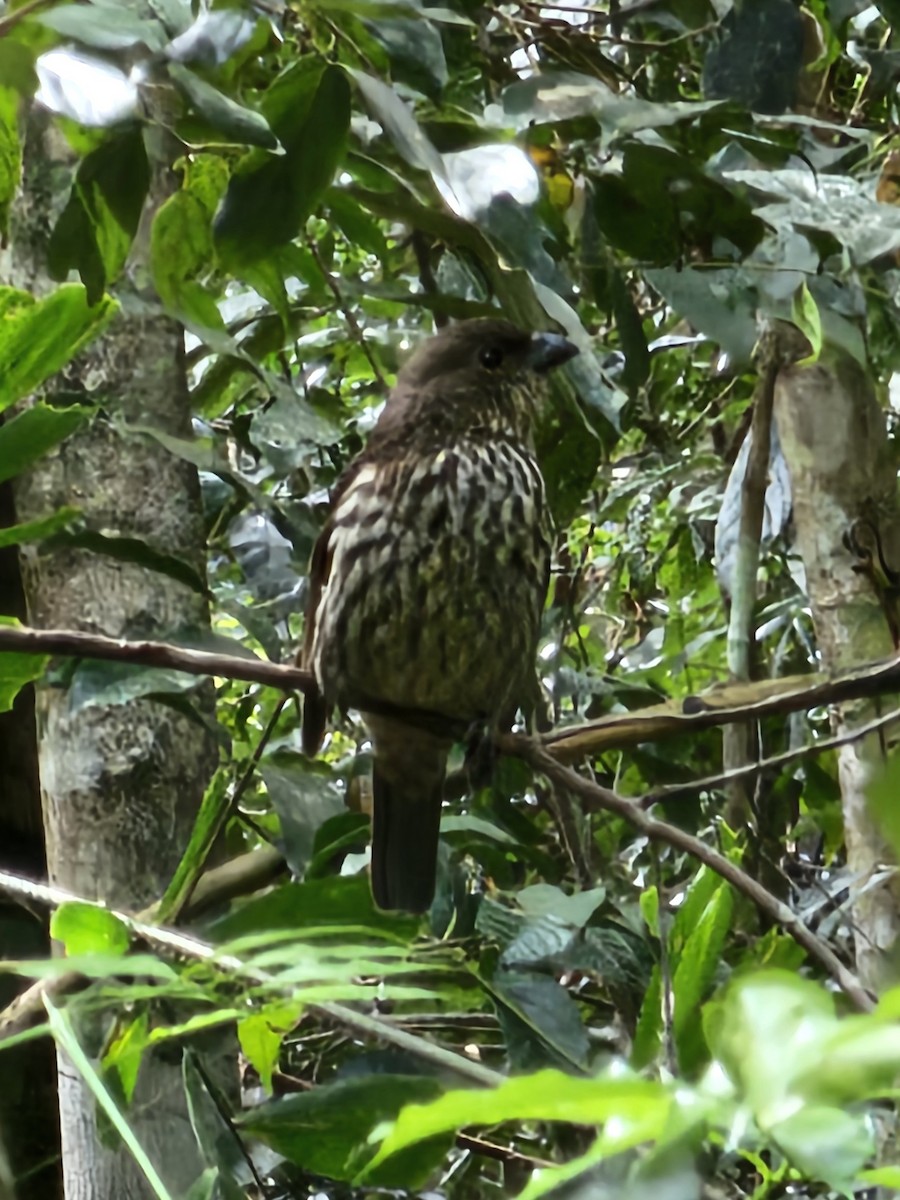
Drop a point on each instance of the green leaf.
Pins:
(649, 904)
(237, 123)
(286, 429)
(400, 125)
(325, 1130)
(805, 315)
(10, 152)
(207, 827)
(96, 228)
(262, 1045)
(826, 1143)
(477, 828)
(40, 528)
(89, 929)
(545, 900)
(94, 966)
(98, 683)
(545, 1096)
(719, 303)
(30, 434)
(355, 223)
(133, 550)
(768, 1029)
(303, 800)
(697, 966)
(540, 1019)
(702, 889)
(757, 58)
(269, 199)
(553, 96)
(415, 52)
(649, 1031)
(104, 27)
(17, 670)
(125, 1053)
(38, 337)
(346, 901)
(180, 241)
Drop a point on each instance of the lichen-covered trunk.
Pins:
(120, 783)
(834, 438)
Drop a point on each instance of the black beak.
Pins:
(549, 350)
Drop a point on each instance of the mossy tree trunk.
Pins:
(120, 783)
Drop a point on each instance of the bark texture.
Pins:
(834, 438)
(120, 784)
(28, 1112)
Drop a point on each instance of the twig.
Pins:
(504, 1154)
(347, 313)
(185, 892)
(9, 21)
(675, 790)
(75, 644)
(774, 908)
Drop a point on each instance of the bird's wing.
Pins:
(316, 706)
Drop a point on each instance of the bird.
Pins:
(428, 580)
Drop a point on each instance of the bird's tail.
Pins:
(407, 785)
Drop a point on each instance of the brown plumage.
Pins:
(428, 580)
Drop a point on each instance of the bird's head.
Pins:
(485, 373)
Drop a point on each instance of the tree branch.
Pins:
(720, 705)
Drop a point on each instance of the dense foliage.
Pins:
(653, 180)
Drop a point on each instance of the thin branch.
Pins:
(602, 798)
(504, 1154)
(185, 945)
(9, 21)
(347, 313)
(172, 911)
(75, 644)
(676, 790)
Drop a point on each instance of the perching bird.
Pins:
(428, 580)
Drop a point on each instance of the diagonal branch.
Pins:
(602, 798)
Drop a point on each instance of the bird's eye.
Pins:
(491, 357)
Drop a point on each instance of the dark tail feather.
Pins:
(315, 716)
(407, 784)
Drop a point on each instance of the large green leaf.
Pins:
(234, 121)
(104, 27)
(10, 153)
(546, 1096)
(95, 230)
(269, 198)
(38, 337)
(33, 432)
(326, 1129)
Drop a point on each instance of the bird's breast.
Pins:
(438, 564)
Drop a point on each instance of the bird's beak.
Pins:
(549, 350)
